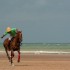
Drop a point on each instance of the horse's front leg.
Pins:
(12, 55)
(18, 56)
(7, 54)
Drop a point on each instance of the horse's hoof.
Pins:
(18, 61)
(12, 64)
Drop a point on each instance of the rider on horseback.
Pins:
(11, 31)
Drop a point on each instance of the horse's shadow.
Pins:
(23, 65)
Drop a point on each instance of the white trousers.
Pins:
(10, 38)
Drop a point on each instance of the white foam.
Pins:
(42, 52)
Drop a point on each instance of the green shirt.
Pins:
(12, 32)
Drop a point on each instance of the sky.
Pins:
(46, 21)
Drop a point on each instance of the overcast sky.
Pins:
(46, 21)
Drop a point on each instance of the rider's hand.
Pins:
(2, 37)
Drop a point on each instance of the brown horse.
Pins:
(13, 45)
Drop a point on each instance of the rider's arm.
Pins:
(4, 34)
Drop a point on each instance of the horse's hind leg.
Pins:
(18, 56)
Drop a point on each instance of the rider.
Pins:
(11, 31)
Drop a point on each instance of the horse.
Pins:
(13, 45)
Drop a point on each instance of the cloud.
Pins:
(39, 19)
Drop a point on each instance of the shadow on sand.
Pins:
(23, 65)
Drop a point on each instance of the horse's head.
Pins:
(19, 36)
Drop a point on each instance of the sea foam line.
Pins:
(42, 52)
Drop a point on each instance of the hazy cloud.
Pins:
(41, 20)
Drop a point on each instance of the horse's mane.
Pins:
(19, 33)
